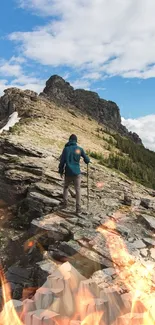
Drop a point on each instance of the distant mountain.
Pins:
(48, 119)
(105, 112)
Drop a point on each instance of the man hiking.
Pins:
(70, 161)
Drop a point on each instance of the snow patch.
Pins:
(13, 119)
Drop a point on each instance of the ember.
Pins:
(31, 244)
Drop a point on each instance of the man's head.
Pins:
(73, 137)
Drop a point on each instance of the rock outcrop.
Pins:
(62, 93)
(15, 100)
(88, 102)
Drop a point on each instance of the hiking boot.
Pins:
(64, 205)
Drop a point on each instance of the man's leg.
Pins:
(77, 184)
(65, 191)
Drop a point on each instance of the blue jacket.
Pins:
(70, 159)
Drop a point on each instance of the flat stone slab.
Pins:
(138, 244)
(73, 247)
(19, 275)
(21, 176)
(55, 226)
(49, 189)
(44, 199)
(49, 221)
(144, 252)
(149, 241)
(149, 220)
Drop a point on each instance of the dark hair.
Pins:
(73, 137)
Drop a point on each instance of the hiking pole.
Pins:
(87, 187)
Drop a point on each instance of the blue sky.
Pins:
(104, 46)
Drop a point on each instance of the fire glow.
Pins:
(85, 305)
(8, 315)
(137, 277)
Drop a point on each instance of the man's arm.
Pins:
(85, 157)
(62, 163)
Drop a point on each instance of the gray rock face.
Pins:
(149, 241)
(149, 220)
(146, 203)
(19, 275)
(137, 244)
(21, 278)
(15, 100)
(57, 89)
(106, 112)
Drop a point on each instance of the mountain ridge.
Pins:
(104, 111)
(47, 124)
(60, 92)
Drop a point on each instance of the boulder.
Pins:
(146, 203)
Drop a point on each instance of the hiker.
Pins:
(70, 161)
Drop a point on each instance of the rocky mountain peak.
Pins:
(58, 90)
(88, 102)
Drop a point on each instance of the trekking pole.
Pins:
(87, 187)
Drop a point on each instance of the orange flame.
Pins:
(90, 311)
(93, 319)
(137, 277)
(8, 316)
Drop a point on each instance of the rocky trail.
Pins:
(111, 244)
(122, 208)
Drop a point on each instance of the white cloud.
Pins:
(35, 86)
(144, 127)
(66, 75)
(3, 85)
(17, 59)
(80, 84)
(19, 79)
(100, 88)
(92, 75)
(53, 7)
(9, 69)
(14, 70)
(116, 37)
